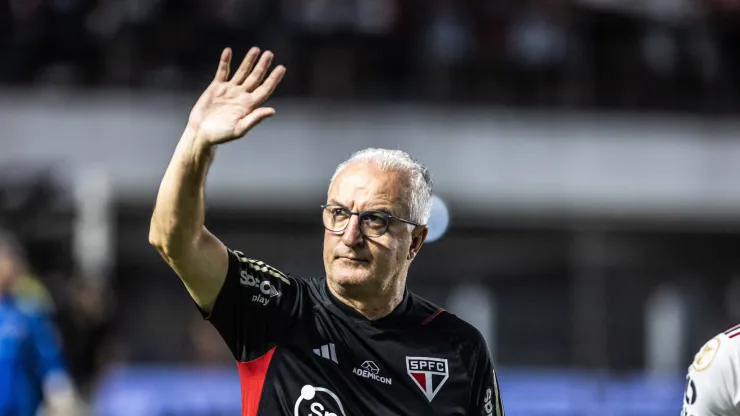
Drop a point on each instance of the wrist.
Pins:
(193, 151)
(194, 145)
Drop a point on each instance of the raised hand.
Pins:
(229, 108)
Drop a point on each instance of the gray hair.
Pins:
(420, 193)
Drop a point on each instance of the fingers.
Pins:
(265, 90)
(256, 77)
(246, 66)
(252, 119)
(224, 64)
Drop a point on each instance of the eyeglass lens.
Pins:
(372, 224)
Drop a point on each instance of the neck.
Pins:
(373, 305)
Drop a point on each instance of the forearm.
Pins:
(180, 207)
(225, 111)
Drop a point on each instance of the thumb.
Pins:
(252, 119)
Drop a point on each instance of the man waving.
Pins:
(356, 342)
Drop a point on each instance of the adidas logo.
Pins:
(327, 351)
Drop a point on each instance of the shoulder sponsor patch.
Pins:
(706, 354)
(260, 266)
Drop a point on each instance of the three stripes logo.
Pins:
(327, 351)
(429, 374)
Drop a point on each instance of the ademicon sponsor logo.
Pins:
(370, 370)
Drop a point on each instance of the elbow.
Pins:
(159, 244)
(155, 235)
(159, 238)
(155, 239)
(168, 241)
(163, 243)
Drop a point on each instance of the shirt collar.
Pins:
(397, 315)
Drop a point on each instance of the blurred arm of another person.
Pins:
(712, 387)
(226, 111)
(59, 391)
(33, 376)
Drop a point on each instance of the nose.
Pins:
(352, 235)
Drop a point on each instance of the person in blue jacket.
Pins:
(32, 369)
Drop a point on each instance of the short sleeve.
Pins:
(256, 307)
(485, 394)
(711, 381)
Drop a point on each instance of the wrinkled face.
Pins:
(354, 261)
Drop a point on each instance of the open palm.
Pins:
(228, 109)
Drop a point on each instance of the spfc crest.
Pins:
(428, 373)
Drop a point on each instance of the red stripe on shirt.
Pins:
(434, 315)
(731, 329)
(252, 376)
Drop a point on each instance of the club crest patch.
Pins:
(429, 374)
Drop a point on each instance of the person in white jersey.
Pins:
(713, 379)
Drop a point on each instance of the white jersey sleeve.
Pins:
(713, 379)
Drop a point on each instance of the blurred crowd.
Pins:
(666, 55)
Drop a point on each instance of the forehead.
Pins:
(363, 184)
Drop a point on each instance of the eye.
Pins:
(375, 219)
(337, 211)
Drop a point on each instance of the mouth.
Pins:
(353, 259)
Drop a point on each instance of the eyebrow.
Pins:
(332, 201)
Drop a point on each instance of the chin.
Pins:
(351, 276)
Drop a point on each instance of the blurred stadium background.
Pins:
(588, 153)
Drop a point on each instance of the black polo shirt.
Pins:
(300, 351)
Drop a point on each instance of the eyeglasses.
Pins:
(372, 223)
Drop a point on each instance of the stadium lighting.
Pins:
(439, 219)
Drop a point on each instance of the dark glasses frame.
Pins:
(362, 214)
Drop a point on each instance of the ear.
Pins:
(418, 236)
